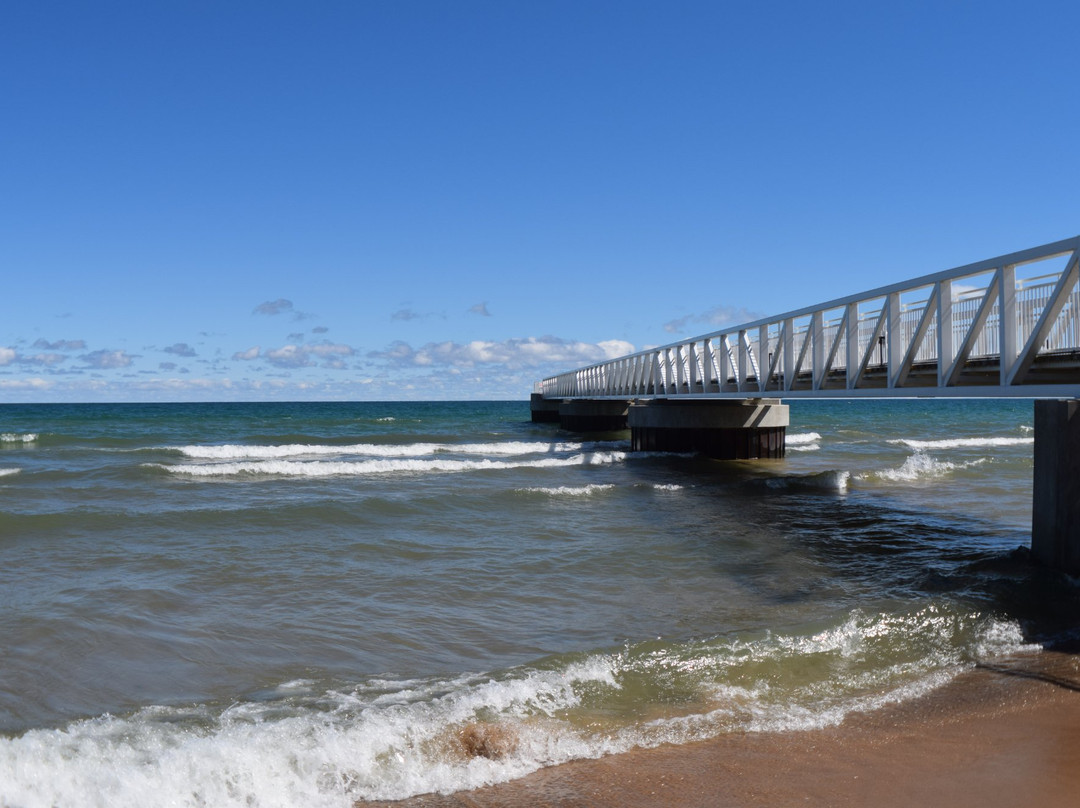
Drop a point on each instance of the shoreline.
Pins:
(1000, 734)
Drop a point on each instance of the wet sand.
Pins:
(1001, 735)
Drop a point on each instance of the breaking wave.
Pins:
(569, 490)
(920, 466)
(962, 443)
(15, 437)
(243, 452)
(266, 452)
(327, 747)
(325, 468)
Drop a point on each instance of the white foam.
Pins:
(388, 739)
(348, 750)
(9, 472)
(15, 437)
(266, 452)
(1000, 638)
(667, 487)
(324, 468)
(570, 490)
(920, 466)
(963, 443)
(802, 438)
(928, 649)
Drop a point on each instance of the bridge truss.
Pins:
(984, 329)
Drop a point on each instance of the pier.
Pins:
(1005, 327)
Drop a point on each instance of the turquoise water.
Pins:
(313, 604)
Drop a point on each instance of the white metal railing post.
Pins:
(708, 361)
(789, 353)
(743, 364)
(726, 366)
(764, 358)
(817, 329)
(895, 347)
(851, 357)
(1008, 321)
(946, 350)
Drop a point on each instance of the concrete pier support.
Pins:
(730, 429)
(593, 415)
(544, 410)
(1055, 514)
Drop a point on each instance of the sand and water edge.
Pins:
(1002, 734)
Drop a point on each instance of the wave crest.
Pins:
(570, 490)
(962, 443)
(16, 437)
(921, 465)
(385, 739)
(324, 468)
(388, 450)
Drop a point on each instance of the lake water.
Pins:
(314, 604)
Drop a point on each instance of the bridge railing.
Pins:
(977, 327)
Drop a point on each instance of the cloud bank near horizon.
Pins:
(302, 368)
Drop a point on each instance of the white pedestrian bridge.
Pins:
(1004, 327)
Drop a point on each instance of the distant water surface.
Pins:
(313, 604)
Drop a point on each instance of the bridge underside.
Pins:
(730, 430)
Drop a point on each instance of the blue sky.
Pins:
(442, 200)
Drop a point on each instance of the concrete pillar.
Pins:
(544, 410)
(1055, 512)
(593, 415)
(729, 429)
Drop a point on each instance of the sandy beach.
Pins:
(1001, 735)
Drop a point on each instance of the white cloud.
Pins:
(7, 356)
(248, 355)
(481, 309)
(274, 307)
(299, 356)
(181, 349)
(325, 349)
(717, 317)
(47, 359)
(25, 384)
(288, 356)
(61, 345)
(106, 360)
(512, 353)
